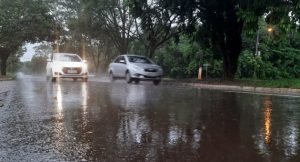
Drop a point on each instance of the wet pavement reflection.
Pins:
(98, 121)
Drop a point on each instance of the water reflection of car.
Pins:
(66, 65)
(135, 68)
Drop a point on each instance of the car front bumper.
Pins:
(70, 72)
(61, 75)
(155, 76)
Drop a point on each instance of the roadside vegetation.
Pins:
(280, 83)
(255, 42)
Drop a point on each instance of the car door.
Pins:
(119, 66)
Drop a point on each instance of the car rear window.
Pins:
(67, 58)
(137, 59)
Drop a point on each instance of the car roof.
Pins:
(64, 54)
(132, 55)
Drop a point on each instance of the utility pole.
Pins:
(257, 42)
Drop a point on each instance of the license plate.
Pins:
(151, 74)
(72, 71)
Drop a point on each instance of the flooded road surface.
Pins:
(98, 121)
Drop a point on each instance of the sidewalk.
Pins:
(234, 88)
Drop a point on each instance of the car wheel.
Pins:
(128, 77)
(111, 76)
(137, 81)
(156, 82)
(84, 79)
(53, 79)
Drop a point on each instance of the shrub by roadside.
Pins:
(280, 83)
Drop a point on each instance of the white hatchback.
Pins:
(66, 65)
(135, 68)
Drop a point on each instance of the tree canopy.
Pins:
(181, 34)
(22, 21)
(219, 24)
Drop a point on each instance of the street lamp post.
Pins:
(270, 30)
(257, 42)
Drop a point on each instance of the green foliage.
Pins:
(179, 60)
(13, 64)
(183, 59)
(288, 62)
(20, 22)
(38, 64)
(277, 60)
(101, 29)
(279, 53)
(216, 69)
(272, 83)
(156, 26)
(249, 64)
(281, 83)
(43, 50)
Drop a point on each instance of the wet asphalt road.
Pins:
(100, 121)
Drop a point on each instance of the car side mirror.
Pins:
(122, 61)
(48, 60)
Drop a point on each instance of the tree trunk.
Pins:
(151, 52)
(4, 54)
(3, 64)
(230, 61)
(233, 43)
(151, 48)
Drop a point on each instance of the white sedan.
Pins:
(135, 68)
(66, 65)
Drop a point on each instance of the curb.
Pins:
(243, 89)
(6, 79)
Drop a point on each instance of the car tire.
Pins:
(136, 81)
(156, 82)
(111, 77)
(53, 79)
(128, 77)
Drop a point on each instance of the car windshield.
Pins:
(67, 58)
(139, 59)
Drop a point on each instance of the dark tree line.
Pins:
(100, 29)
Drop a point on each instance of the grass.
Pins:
(280, 83)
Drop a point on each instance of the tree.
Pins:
(22, 21)
(43, 50)
(63, 12)
(219, 23)
(99, 28)
(155, 26)
(113, 19)
(13, 62)
(85, 35)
